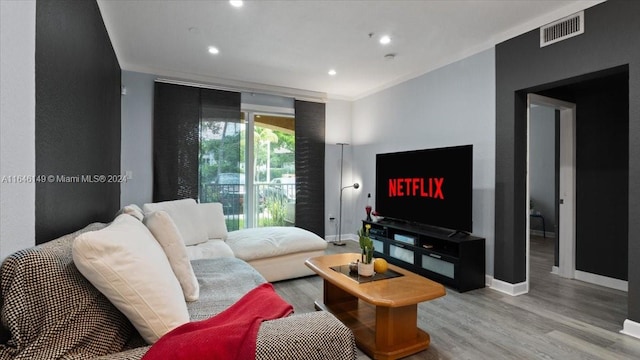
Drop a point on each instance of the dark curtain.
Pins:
(220, 114)
(178, 112)
(310, 143)
(176, 132)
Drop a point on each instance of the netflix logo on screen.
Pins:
(416, 187)
(431, 186)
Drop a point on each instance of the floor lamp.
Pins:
(355, 186)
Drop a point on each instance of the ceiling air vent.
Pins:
(562, 29)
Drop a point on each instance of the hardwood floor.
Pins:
(558, 319)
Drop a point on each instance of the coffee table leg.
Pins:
(333, 295)
(396, 325)
(383, 333)
(399, 327)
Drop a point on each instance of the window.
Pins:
(255, 184)
(200, 133)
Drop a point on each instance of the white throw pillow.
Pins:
(186, 215)
(165, 231)
(214, 220)
(133, 210)
(126, 264)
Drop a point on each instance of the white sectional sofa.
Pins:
(110, 291)
(278, 253)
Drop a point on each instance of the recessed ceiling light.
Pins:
(385, 40)
(236, 3)
(332, 72)
(213, 50)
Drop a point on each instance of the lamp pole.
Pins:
(355, 186)
(340, 242)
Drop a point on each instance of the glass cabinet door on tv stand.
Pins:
(455, 259)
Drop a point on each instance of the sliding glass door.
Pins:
(274, 169)
(221, 164)
(255, 184)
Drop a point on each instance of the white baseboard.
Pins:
(509, 288)
(602, 280)
(344, 237)
(631, 328)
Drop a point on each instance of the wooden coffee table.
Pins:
(382, 314)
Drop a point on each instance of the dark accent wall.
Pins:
(77, 118)
(310, 144)
(610, 40)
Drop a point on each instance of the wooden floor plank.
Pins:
(558, 319)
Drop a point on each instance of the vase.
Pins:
(368, 211)
(365, 269)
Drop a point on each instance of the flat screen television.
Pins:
(431, 187)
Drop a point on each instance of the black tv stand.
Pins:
(455, 259)
(454, 233)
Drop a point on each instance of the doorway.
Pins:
(562, 202)
(597, 250)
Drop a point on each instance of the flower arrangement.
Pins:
(366, 244)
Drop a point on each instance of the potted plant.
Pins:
(365, 266)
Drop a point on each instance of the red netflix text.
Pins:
(421, 187)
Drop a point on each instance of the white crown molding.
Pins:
(228, 84)
(490, 43)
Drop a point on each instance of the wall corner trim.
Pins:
(631, 328)
(508, 288)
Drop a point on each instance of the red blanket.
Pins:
(231, 334)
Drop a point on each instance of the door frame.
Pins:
(567, 193)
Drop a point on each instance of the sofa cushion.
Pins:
(186, 215)
(133, 210)
(211, 249)
(129, 267)
(222, 282)
(267, 242)
(165, 231)
(214, 220)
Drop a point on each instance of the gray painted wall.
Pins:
(17, 124)
(338, 130)
(453, 105)
(542, 172)
(137, 136)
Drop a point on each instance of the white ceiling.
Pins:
(289, 46)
